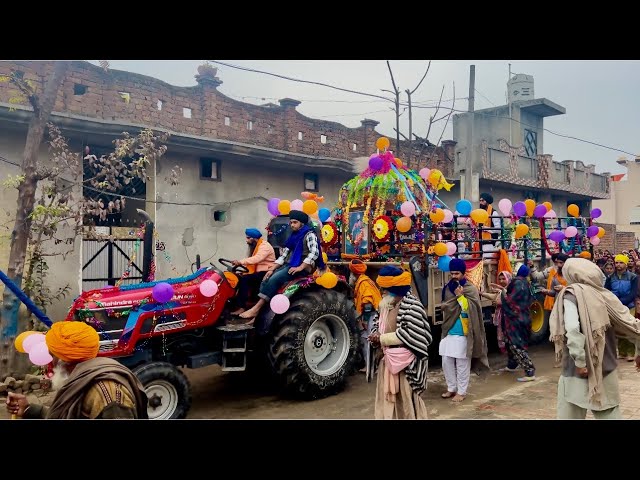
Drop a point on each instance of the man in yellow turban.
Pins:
(624, 285)
(86, 386)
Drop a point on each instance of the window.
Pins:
(79, 89)
(311, 182)
(354, 147)
(299, 135)
(159, 105)
(269, 129)
(186, 112)
(323, 139)
(227, 121)
(219, 216)
(210, 169)
(249, 125)
(530, 143)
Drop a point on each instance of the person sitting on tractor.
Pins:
(366, 297)
(300, 257)
(261, 259)
(492, 223)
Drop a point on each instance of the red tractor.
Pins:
(311, 348)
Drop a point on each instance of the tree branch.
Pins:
(423, 77)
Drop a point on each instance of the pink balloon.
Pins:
(451, 248)
(31, 341)
(208, 288)
(408, 209)
(424, 173)
(448, 216)
(550, 214)
(571, 232)
(594, 241)
(39, 354)
(279, 304)
(504, 206)
(296, 205)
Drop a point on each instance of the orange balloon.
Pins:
(437, 216)
(531, 206)
(382, 143)
(284, 207)
(310, 207)
(479, 215)
(440, 249)
(548, 205)
(573, 210)
(398, 162)
(601, 232)
(403, 224)
(521, 230)
(327, 280)
(20, 338)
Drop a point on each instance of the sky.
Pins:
(601, 98)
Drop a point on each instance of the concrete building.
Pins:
(507, 156)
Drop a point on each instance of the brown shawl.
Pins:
(476, 337)
(68, 400)
(585, 281)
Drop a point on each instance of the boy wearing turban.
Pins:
(86, 386)
(261, 258)
(624, 285)
(493, 223)
(404, 334)
(463, 334)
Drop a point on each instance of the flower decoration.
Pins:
(329, 235)
(382, 228)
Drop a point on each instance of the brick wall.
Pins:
(274, 126)
(616, 241)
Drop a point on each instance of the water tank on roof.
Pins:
(520, 87)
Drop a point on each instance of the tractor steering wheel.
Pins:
(231, 267)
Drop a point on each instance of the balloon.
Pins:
(162, 292)
(382, 143)
(595, 241)
(208, 288)
(540, 210)
(448, 216)
(296, 205)
(398, 162)
(601, 232)
(596, 212)
(571, 232)
(440, 249)
(573, 210)
(325, 258)
(39, 354)
(437, 216)
(504, 206)
(438, 180)
(451, 248)
(443, 263)
(31, 341)
(530, 205)
(479, 215)
(521, 230)
(550, 214)
(464, 207)
(324, 214)
(272, 206)
(408, 209)
(424, 173)
(520, 209)
(403, 224)
(548, 205)
(279, 303)
(327, 280)
(310, 207)
(592, 231)
(18, 342)
(375, 163)
(284, 207)
(557, 236)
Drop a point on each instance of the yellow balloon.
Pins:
(479, 215)
(327, 280)
(548, 205)
(437, 216)
(531, 206)
(324, 257)
(573, 210)
(601, 232)
(310, 207)
(382, 143)
(521, 230)
(20, 339)
(284, 207)
(435, 177)
(403, 224)
(440, 249)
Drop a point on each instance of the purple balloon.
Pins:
(162, 292)
(272, 206)
(539, 211)
(592, 231)
(595, 213)
(557, 236)
(375, 163)
(520, 209)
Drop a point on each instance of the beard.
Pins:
(352, 280)
(60, 376)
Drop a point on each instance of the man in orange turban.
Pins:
(86, 386)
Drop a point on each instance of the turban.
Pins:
(394, 279)
(523, 271)
(357, 266)
(487, 197)
(253, 233)
(457, 265)
(300, 216)
(585, 254)
(72, 342)
(621, 258)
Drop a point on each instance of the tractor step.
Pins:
(234, 347)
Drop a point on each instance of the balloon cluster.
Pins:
(310, 206)
(34, 344)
